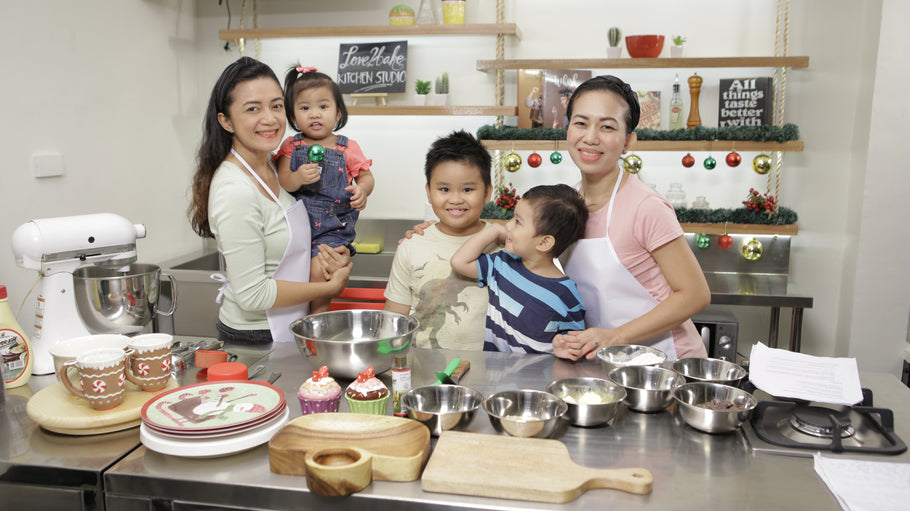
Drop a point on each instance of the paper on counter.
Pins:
(786, 374)
(865, 485)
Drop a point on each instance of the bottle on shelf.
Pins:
(401, 382)
(14, 347)
(701, 202)
(676, 107)
(676, 196)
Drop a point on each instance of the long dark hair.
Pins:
(216, 142)
(616, 86)
(299, 78)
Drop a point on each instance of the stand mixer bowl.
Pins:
(121, 300)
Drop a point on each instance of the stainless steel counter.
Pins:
(692, 470)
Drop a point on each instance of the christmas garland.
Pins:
(783, 216)
(780, 134)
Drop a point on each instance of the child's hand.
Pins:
(358, 198)
(418, 230)
(308, 173)
(500, 230)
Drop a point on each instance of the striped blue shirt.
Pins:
(526, 310)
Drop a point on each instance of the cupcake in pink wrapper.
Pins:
(318, 394)
(367, 394)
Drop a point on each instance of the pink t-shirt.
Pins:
(353, 156)
(642, 222)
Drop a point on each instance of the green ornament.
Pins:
(511, 162)
(710, 163)
(316, 153)
(555, 158)
(702, 240)
(632, 164)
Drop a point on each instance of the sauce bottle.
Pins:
(401, 382)
(15, 350)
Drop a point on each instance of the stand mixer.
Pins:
(96, 248)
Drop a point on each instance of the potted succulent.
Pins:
(423, 89)
(614, 36)
(676, 50)
(442, 89)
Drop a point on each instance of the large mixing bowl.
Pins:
(350, 341)
(119, 300)
(442, 407)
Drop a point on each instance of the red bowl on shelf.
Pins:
(644, 46)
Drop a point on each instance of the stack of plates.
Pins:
(213, 418)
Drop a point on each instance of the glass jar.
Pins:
(700, 203)
(676, 195)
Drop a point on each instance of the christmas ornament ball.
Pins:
(632, 164)
(734, 159)
(710, 163)
(511, 162)
(316, 153)
(688, 160)
(555, 158)
(725, 242)
(534, 160)
(702, 240)
(762, 164)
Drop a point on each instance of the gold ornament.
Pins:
(752, 249)
(762, 164)
(632, 164)
(511, 162)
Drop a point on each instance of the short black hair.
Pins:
(459, 146)
(616, 86)
(559, 211)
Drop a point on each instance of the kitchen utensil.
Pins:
(206, 358)
(525, 413)
(150, 363)
(213, 405)
(577, 391)
(445, 376)
(69, 349)
(227, 371)
(349, 341)
(709, 370)
(710, 420)
(519, 468)
(211, 447)
(399, 447)
(648, 389)
(338, 471)
(442, 407)
(120, 300)
(622, 355)
(102, 376)
(644, 46)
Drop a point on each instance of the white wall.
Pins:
(122, 102)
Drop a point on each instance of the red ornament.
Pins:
(688, 160)
(534, 160)
(734, 159)
(725, 242)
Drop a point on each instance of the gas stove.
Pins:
(801, 428)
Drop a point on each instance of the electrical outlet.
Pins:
(47, 165)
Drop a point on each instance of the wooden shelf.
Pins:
(432, 110)
(759, 229)
(629, 63)
(378, 30)
(654, 145)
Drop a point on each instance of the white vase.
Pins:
(442, 99)
(420, 99)
(614, 52)
(676, 51)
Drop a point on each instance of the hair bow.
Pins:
(304, 70)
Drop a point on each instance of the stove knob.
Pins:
(725, 342)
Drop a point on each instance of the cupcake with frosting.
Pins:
(367, 394)
(318, 394)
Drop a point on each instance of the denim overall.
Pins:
(332, 218)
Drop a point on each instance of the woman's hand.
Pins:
(339, 278)
(585, 343)
(358, 197)
(333, 259)
(308, 173)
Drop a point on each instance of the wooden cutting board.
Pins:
(506, 467)
(58, 410)
(399, 446)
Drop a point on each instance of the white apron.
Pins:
(615, 296)
(294, 265)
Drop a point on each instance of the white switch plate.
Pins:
(47, 165)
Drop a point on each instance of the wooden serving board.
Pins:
(506, 467)
(58, 410)
(399, 446)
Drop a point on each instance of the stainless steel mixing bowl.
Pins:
(714, 421)
(622, 355)
(573, 392)
(119, 300)
(442, 407)
(525, 413)
(648, 389)
(709, 370)
(350, 341)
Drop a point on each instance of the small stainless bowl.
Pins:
(573, 391)
(714, 421)
(442, 407)
(622, 355)
(709, 370)
(525, 413)
(648, 389)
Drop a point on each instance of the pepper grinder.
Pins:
(694, 90)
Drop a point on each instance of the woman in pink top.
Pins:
(637, 275)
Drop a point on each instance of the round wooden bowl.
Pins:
(338, 471)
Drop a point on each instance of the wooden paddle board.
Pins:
(59, 410)
(532, 469)
(399, 446)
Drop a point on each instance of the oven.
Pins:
(719, 331)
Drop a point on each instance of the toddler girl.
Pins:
(336, 188)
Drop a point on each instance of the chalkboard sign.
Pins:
(745, 102)
(373, 67)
